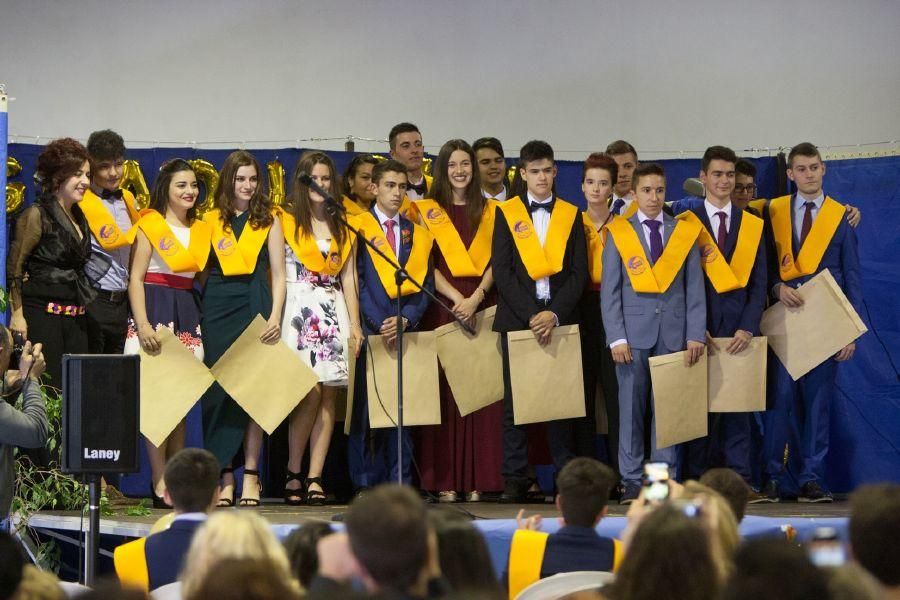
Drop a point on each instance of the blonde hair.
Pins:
(233, 534)
(720, 522)
(38, 585)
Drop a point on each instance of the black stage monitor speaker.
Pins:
(101, 413)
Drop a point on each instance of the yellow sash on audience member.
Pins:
(595, 241)
(306, 249)
(463, 262)
(180, 259)
(817, 240)
(416, 264)
(130, 562)
(540, 262)
(759, 205)
(104, 227)
(352, 207)
(526, 555)
(237, 257)
(658, 278)
(727, 276)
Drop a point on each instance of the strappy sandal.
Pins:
(295, 496)
(315, 497)
(250, 502)
(226, 501)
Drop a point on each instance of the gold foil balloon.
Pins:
(511, 173)
(133, 179)
(426, 166)
(207, 174)
(276, 182)
(15, 191)
(13, 167)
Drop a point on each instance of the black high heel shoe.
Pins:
(250, 502)
(315, 497)
(294, 497)
(158, 502)
(227, 501)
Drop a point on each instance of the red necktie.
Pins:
(807, 221)
(389, 234)
(723, 233)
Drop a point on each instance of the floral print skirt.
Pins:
(176, 309)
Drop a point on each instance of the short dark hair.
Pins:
(645, 169)
(772, 567)
(490, 143)
(389, 535)
(463, 553)
(398, 129)
(803, 149)
(601, 160)
(535, 150)
(731, 486)
(875, 530)
(191, 477)
(621, 147)
(12, 561)
(584, 485)
(105, 145)
(387, 166)
(745, 167)
(717, 153)
(301, 547)
(159, 193)
(353, 167)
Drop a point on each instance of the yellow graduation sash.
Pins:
(526, 556)
(352, 207)
(463, 262)
(540, 262)
(180, 259)
(817, 240)
(104, 227)
(595, 241)
(726, 276)
(759, 205)
(306, 249)
(416, 264)
(130, 562)
(657, 279)
(237, 257)
(631, 210)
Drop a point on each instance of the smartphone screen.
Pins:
(656, 481)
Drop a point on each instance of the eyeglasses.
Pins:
(740, 189)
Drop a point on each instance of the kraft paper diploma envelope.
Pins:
(803, 338)
(737, 382)
(421, 396)
(266, 380)
(546, 380)
(472, 365)
(679, 398)
(171, 382)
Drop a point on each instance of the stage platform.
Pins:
(496, 521)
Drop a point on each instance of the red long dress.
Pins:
(462, 454)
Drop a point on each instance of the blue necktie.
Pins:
(656, 245)
(617, 206)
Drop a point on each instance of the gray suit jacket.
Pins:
(677, 315)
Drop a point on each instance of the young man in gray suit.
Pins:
(650, 307)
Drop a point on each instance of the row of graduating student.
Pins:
(83, 244)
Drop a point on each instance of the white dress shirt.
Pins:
(541, 220)
(711, 210)
(413, 194)
(501, 197)
(800, 210)
(381, 219)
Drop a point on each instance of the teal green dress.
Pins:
(229, 304)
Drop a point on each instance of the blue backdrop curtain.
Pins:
(865, 439)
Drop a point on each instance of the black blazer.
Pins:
(516, 296)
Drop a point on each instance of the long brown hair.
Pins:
(298, 202)
(260, 205)
(441, 190)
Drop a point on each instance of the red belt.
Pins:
(173, 281)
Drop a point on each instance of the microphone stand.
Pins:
(400, 275)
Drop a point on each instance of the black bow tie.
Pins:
(548, 206)
(419, 188)
(106, 194)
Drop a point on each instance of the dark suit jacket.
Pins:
(374, 303)
(516, 295)
(166, 551)
(742, 308)
(575, 548)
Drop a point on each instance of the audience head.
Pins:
(300, 546)
(537, 168)
(12, 561)
(598, 176)
(388, 535)
(875, 531)
(357, 178)
(806, 169)
(649, 183)
(851, 582)
(245, 579)
(584, 485)
(64, 170)
(111, 589)
(232, 534)
(192, 480)
(457, 178)
(491, 163)
(38, 585)
(6, 348)
(241, 180)
(389, 182)
(107, 151)
(720, 524)
(405, 141)
(731, 487)
(463, 552)
(772, 567)
(744, 183)
(627, 158)
(175, 186)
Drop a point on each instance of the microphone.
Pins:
(330, 202)
(694, 187)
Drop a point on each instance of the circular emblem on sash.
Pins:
(225, 247)
(708, 253)
(335, 259)
(166, 246)
(636, 265)
(522, 229)
(108, 233)
(436, 216)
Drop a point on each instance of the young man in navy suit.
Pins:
(810, 234)
(411, 244)
(649, 310)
